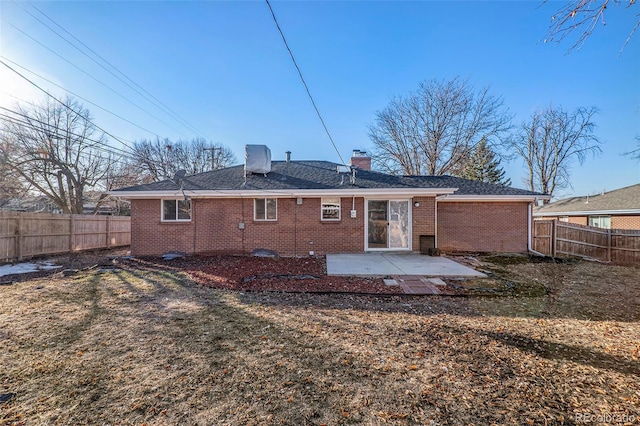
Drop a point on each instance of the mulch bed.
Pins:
(284, 274)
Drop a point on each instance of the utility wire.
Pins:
(29, 122)
(80, 97)
(130, 83)
(63, 104)
(94, 78)
(28, 157)
(304, 82)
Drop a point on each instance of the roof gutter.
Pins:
(587, 212)
(496, 198)
(284, 193)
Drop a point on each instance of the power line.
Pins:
(138, 89)
(94, 78)
(304, 82)
(30, 120)
(101, 145)
(63, 104)
(78, 96)
(39, 106)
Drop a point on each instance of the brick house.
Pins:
(618, 209)
(318, 207)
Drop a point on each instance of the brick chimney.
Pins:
(361, 160)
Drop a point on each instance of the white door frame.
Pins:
(409, 224)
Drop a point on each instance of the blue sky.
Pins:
(223, 67)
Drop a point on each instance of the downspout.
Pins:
(529, 230)
(529, 219)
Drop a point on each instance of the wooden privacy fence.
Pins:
(554, 238)
(23, 235)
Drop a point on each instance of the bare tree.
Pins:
(55, 149)
(11, 187)
(551, 142)
(434, 129)
(635, 153)
(161, 158)
(582, 17)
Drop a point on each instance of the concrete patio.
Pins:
(396, 264)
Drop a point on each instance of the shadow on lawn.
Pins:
(575, 353)
(212, 358)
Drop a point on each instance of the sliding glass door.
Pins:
(388, 224)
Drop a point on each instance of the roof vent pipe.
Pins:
(288, 156)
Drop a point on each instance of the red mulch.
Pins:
(289, 274)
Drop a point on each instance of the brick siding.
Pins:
(214, 227)
(578, 220)
(625, 222)
(424, 219)
(482, 227)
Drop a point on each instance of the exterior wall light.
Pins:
(416, 204)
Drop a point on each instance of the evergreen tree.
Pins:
(483, 165)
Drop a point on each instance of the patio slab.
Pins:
(398, 264)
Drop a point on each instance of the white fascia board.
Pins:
(589, 213)
(490, 198)
(382, 192)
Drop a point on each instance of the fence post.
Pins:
(554, 230)
(72, 232)
(19, 232)
(608, 245)
(108, 231)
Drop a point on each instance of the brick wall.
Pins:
(578, 220)
(482, 227)
(215, 228)
(625, 222)
(424, 219)
(150, 236)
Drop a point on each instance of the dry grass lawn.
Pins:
(146, 346)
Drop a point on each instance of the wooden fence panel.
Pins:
(119, 231)
(8, 234)
(577, 240)
(559, 238)
(89, 232)
(43, 233)
(625, 246)
(543, 236)
(24, 235)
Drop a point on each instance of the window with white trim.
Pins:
(176, 210)
(603, 222)
(330, 208)
(265, 209)
(563, 218)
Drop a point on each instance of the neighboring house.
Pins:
(28, 203)
(319, 207)
(618, 209)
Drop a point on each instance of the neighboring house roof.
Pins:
(620, 201)
(317, 177)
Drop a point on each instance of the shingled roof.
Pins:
(620, 200)
(320, 175)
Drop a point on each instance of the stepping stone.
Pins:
(418, 287)
(436, 281)
(390, 282)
